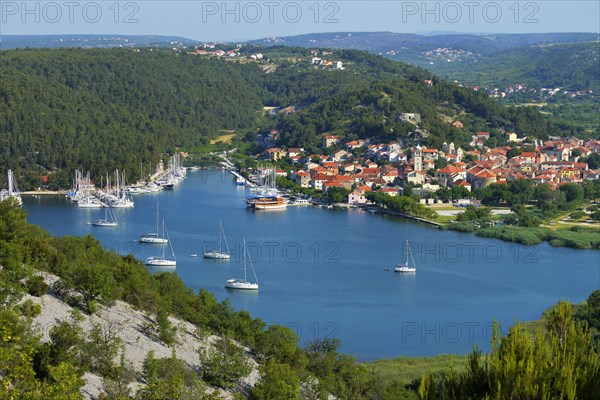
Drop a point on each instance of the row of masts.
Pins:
(115, 193)
(265, 178)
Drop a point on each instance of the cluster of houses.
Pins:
(323, 63)
(544, 93)
(211, 50)
(387, 167)
(449, 55)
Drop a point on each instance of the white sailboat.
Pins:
(243, 284)
(106, 222)
(153, 238)
(219, 254)
(162, 261)
(12, 191)
(406, 266)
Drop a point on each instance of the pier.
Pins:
(228, 165)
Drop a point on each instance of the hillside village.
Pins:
(361, 167)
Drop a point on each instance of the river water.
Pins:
(329, 273)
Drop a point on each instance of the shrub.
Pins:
(517, 234)
(36, 286)
(30, 309)
(462, 227)
(224, 365)
(578, 215)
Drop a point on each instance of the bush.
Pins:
(278, 381)
(225, 365)
(36, 286)
(462, 227)
(517, 234)
(576, 237)
(578, 215)
(30, 309)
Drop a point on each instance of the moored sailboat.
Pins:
(406, 267)
(13, 191)
(153, 238)
(162, 261)
(243, 284)
(219, 254)
(106, 222)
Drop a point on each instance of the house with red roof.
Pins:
(483, 179)
(463, 183)
(331, 184)
(346, 180)
(430, 154)
(390, 191)
(354, 144)
(330, 140)
(356, 198)
(317, 181)
(302, 178)
(275, 153)
(450, 174)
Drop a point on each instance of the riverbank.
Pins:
(44, 193)
(576, 237)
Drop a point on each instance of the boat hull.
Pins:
(104, 224)
(215, 255)
(404, 269)
(269, 206)
(240, 285)
(153, 240)
(160, 262)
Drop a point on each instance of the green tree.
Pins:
(337, 194)
(558, 363)
(278, 342)
(278, 381)
(572, 191)
(224, 365)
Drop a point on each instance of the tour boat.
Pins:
(267, 202)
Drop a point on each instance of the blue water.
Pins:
(322, 272)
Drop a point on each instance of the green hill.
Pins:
(105, 109)
(573, 66)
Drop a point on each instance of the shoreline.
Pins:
(44, 193)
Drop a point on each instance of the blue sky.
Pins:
(241, 20)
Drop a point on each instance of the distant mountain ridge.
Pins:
(490, 59)
(376, 42)
(89, 41)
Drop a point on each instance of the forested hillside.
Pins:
(372, 108)
(99, 110)
(106, 109)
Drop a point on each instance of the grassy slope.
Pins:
(407, 369)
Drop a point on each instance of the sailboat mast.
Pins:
(163, 235)
(245, 251)
(157, 217)
(220, 233)
(10, 182)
